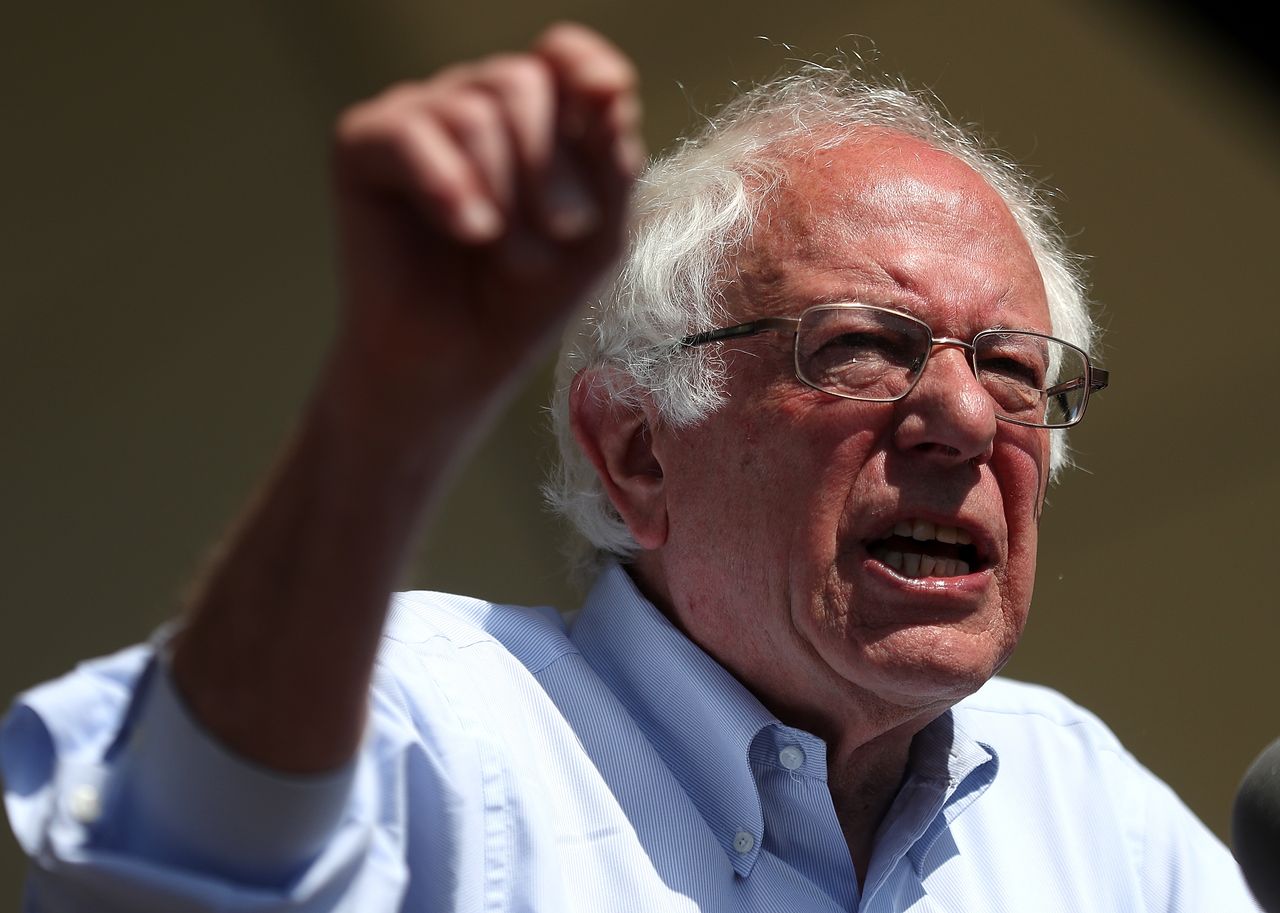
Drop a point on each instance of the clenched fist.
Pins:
(476, 208)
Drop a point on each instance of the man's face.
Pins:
(781, 506)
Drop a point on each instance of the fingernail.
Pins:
(571, 212)
(601, 76)
(630, 156)
(479, 221)
(625, 114)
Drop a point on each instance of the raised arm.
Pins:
(475, 210)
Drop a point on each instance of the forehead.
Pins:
(887, 219)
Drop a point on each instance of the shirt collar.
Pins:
(699, 718)
(703, 723)
(946, 773)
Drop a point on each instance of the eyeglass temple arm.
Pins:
(1098, 380)
(764, 324)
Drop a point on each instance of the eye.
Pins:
(1013, 370)
(866, 345)
(855, 343)
(860, 351)
(1013, 358)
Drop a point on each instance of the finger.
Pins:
(586, 63)
(524, 89)
(598, 95)
(407, 151)
(608, 152)
(558, 200)
(478, 126)
(615, 144)
(449, 184)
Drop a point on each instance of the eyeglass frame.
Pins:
(1096, 379)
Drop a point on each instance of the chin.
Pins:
(923, 667)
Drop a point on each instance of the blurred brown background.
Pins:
(166, 294)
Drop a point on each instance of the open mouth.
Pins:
(920, 548)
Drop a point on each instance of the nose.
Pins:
(948, 416)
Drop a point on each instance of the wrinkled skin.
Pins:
(755, 539)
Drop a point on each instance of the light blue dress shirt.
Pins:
(513, 765)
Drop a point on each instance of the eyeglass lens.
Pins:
(872, 354)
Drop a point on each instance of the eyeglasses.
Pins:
(877, 355)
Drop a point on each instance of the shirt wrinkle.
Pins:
(706, 741)
(614, 767)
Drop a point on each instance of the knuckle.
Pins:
(375, 148)
(519, 73)
(353, 126)
(408, 94)
(586, 49)
(470, 113)
(615, 73)
(628, 75)
(401, 91)
(563, 32)
(374, 118)
(358, 130)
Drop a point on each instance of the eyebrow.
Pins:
(891, 304)
(897, 304)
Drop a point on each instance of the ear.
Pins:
(617, 440)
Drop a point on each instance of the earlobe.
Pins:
(617, 438)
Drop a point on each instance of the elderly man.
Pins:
(807, 435)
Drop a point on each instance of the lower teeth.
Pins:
(915, 565)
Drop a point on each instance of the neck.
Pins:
(863, 784)
(868, 738)
(868, 753)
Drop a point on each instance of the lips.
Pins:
(918, 548)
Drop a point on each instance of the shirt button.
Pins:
(744, 842)
(85, 804)
(791, 757)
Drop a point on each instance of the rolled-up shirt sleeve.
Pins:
(123, 802)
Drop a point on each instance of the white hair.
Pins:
(693, 210)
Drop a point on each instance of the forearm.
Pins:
(281, 635)
(460, 260)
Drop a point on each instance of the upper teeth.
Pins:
(924, 531)
(911, 563)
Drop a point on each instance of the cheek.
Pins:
(1022, 469)
(774, 473)
(831, 474)
(720, 482)
(1022, 472)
